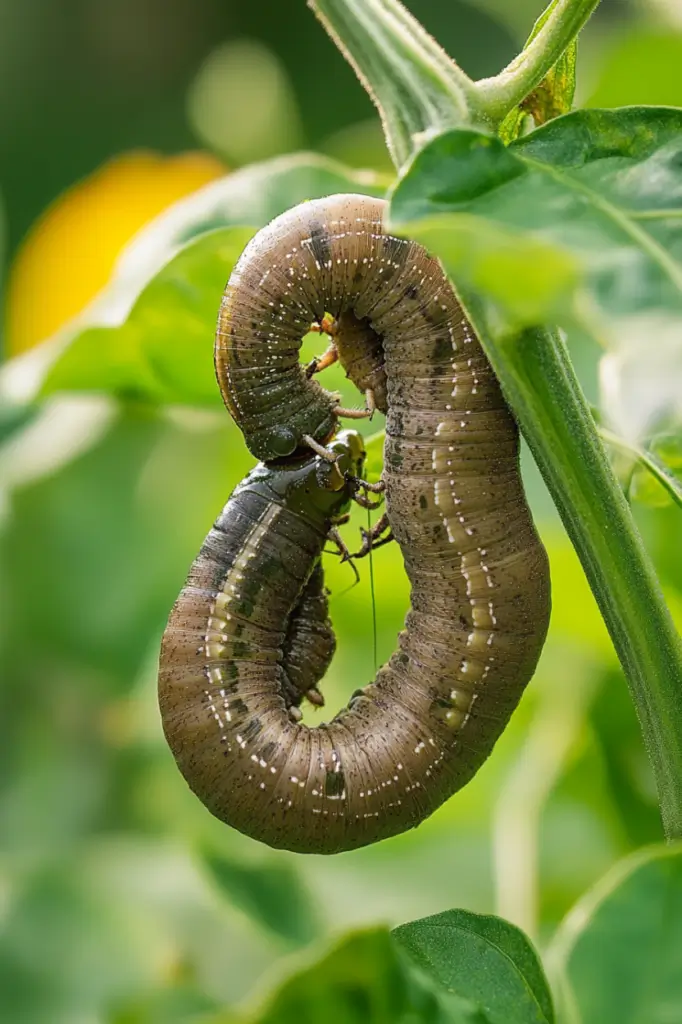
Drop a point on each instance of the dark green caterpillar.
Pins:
(480, 583)
(249, 638)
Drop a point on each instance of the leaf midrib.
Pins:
(619, 217)
(502, 952)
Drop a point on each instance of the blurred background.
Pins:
(121, 900)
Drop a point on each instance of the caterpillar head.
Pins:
(281, 432)
(331, 484)
(315, 486)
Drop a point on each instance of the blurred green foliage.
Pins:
(121, 900)
(618, 950)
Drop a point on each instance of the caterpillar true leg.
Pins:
(329, 326)
(377, 488)
(341, 546)
(318, 448)
(319, 363)
(353, 414)
(375, 537)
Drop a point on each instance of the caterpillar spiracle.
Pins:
(480, 593)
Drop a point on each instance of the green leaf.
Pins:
(253, 195)
(484, 959)
(271, 893)
(668, 448)
(365, 979)
(619, 950)
(600, 194)
(149, 335)
(552, 97)
(663, 482)
(164, 350)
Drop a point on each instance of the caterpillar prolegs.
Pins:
(480, 583)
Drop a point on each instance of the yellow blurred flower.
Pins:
(69, 253)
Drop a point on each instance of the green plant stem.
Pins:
(416, 87)
(537, 377)
(498, 95)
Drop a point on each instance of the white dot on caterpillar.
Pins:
(451, 537)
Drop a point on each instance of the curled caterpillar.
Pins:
(480, 582)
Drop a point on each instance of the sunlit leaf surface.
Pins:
(596, 197)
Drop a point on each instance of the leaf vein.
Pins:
(619, 217)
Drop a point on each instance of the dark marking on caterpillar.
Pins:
(319, 243)
(480, 583)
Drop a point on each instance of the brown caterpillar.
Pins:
(455, 503)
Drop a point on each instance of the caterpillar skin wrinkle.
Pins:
(480, 597)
